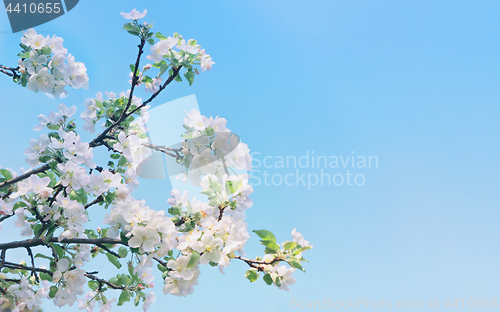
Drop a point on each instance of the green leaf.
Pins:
(82, 196)
(158, 64)
(277, 281)
(124, 296)
(24, 55)
(114, 260)
(252, 275)
(147, 79)
(271, 245)
(115, 156)
(270, 251)
(268, 279)
(160, 36)
(39, 255)
(53, 127)
(189, 74)
(6, 173)
(24, 79)
(178, 78)
(52, 177)
(53, 165)
(161, 267)
(129, 26)
(175, 211)
(93, 285)
(58, 249)
(122, 161)
(151, 41)
(265, 235)
(124, 280)
(45, 51)
(19, 204)
(289, 245)
(91, 233)
(50, 232)
(122, 251)
(294, 263)
(163, 69)
(45, 276)
(133, 32)
(53, 291)
(45, 158)
(195, 256)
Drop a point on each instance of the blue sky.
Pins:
(414, 83)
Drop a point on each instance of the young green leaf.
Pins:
(268, 279)
(252, 275)
(114, 260)
(195, 256)
(265, 235)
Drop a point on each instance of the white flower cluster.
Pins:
(98, 108)
(47, 67)
(181, 50)
(214, 230)
(27, 296)
(210, 147)
(71, 281)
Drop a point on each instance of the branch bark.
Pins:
(103, 281)
(100, 139)
(40, 242)
(165, 150)
(13, 71)
(25, 176)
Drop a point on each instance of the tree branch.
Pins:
(95, 201)
(103, 281)
(33, 273)
(6, 217)
(25, 176)
(108, 250)
(23, 267)
(257, 264)
(100, 139)
(13, 70)
(167, 82)
(165, 150)
(40, 242)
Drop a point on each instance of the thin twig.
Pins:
(165, 150)
(11, 265)
(108, 250)
(100, 139)
(33, 273)
(167, 82)
(103, 281)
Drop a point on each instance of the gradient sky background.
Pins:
(414, 83)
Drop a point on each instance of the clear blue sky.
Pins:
(414, 83)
